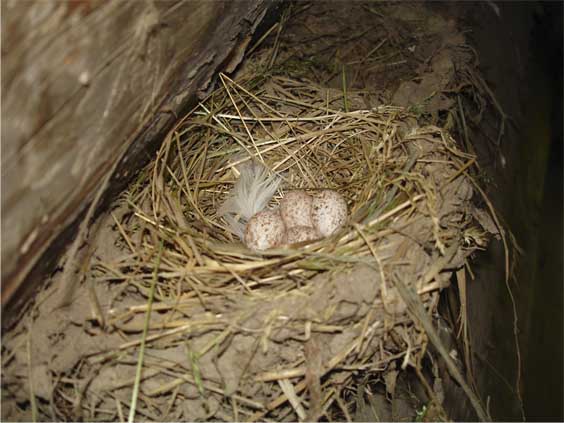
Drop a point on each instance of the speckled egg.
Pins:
(297, 234)
(295, 209)
(328, 211)
(265, 230)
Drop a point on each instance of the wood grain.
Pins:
(87, 83)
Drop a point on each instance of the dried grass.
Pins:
(262, 315)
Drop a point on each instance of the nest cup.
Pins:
(253, 318)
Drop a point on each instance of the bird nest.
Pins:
(278, 334)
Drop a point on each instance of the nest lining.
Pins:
(248, 317)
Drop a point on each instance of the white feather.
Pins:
(250, 194)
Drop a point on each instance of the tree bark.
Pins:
(87, 83)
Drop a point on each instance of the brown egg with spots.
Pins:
(329, 212)
(265, 230)
(295, 209)
(299, 234)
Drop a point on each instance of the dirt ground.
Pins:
(401, 54)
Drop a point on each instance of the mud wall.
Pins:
(89, 88)
(520, 50)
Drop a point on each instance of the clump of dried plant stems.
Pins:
(407, 187)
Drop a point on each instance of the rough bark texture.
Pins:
(87, 83)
